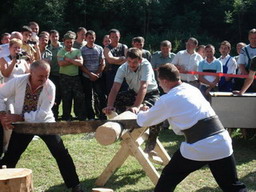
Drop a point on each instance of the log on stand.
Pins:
(122, 127)
(18, 179)
(131, 140)
(74, 127)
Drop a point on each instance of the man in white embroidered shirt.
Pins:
(207, 142)
(34, 96)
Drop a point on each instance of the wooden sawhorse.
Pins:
(131, 145)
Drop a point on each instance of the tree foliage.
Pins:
(156, 20)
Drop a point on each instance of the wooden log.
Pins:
(110, 132)
(16, 180)
(73, 127)
(102, 190)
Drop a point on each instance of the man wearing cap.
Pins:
(70, 59)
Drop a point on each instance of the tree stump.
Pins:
(16, 180)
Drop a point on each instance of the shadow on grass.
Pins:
(249, 181)
(168, 136)
(209, 189)
(115, 182)
(244, 149)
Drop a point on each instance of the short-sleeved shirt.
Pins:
(133, 79)
(230, 62)
(92, 58)
(244, 57)
(158, 59)
(29, 49)
(55, 68)
(146, 54)
(189, 61)
(19, 69)
(78, 45)
(4, 50)
(46, 55)
(214, 67)
(253, 64)
(71, 70)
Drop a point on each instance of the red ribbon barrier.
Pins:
(216, 74)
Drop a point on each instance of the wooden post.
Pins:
(12, 180)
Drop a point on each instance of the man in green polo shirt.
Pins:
(70, 59)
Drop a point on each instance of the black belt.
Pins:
(203, 128)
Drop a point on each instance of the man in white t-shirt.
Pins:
(209, 65)
(188, 60)
(207, 142)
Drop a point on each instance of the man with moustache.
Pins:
(143, 90)
(34, 97)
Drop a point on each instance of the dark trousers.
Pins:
(19, 142)
(71, 88)
(127, 98)
(98, 89)
(55, 109)
(223, 170)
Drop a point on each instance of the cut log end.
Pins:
(108, 133)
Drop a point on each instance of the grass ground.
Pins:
(91, 158)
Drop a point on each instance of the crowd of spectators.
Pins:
(93, 80)
(83, 72)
